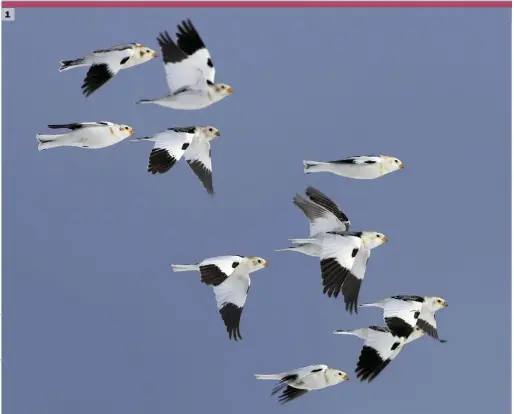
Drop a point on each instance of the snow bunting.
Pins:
(298, 382)
(192, 142)
(106, 63)
(364, 167)
(189, 71)
(403, 313)
(90, 135)
(230, 278)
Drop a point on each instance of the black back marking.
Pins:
(212, 275)
(96, 76)
(370, 162)
(344, 161)
(209, 63)
(235, 264)
(187, 129)
(354, 252)
(231, 315)
(160, 161)
(73, 126)
(416, 314)
(185, 145)
(395, 345)
(409, 298)
(124, 60)
(317, 370)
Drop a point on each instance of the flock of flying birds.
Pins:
(343, 253)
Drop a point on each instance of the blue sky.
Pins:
(94, 318)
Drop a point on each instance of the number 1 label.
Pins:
(8, 15)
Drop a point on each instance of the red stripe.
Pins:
(247, 4)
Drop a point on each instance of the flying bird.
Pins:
(91, 135)
(325, 217)
(365, 167)
(230, 278)
(106, 63)
(189, 71)
(192, 142)
(404, 313)
(380, 347)
(298, 382)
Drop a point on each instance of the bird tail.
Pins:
(269, 376)
(144, 101)
(184, 268)
(345, 332)
(311, 166)
(365, 305)
(48, 141)
(292, 248)
(69, 64)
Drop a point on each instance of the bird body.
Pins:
(365, 167)
(192, 142)
(106, 63)
(189, 72)
(296, 383)
(90, 135)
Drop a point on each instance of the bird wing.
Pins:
(115, 48)
(352, 284)
(321, 199)
(401, 316)
(181, 73)
(191, 43)
(336, 260)
(198, 157)
(321, 220)
(379, 349)
(80, 125)
(231, 298)
(216, 270)
(426, 322)
(359, 160)
(293, 377)
(100, 73)
(169, 147)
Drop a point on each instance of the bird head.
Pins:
(208, 132)
(220, 90)
(392, 163)
(122, 131)
(256, 263)
(337, 376)
(144, 54)
(372, 239)
(436, 303)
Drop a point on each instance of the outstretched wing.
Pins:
(401, 316)
(100, 73)
(337, 258)
(191, 43)
(352, 284)
(231, 298)
(322, 200)
(215, 270)
(198, 157)
(379, 349)
(426, 322)
(181, 73)
(169, 147)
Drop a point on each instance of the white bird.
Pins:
(298, 382)
(192, 142)
(189, 72)
(92, 135)
(106, 63)
(343, 261)
(380, 347)
(404, 313)
(230, 278)
(364, 167)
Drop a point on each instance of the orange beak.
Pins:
(154, 54)
(229, 90)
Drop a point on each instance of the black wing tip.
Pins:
(334, 276)
(97, 76)
(370, 364)
(399, 327)
(160, 161)
(351, 289)
(290, 394)
(231, 315)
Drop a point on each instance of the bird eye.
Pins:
(222, 87)
(378, 235)
(210, 129)
(147, 51)
(396, 161)
(259, 261)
